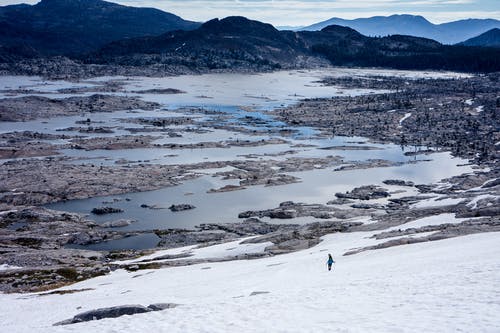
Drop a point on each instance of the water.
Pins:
(227, 107)
(317, 186)
(139, 242)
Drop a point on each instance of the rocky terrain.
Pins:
(35, 107)
(459, 115)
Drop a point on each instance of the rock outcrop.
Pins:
(115, 312)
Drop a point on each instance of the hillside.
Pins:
(446, 33)
(490, 38)
(228, 43)
(438, 286)
(124, 38)
(238, 43)
(69, 27)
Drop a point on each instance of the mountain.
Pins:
(418, 26)
(238, 43)
(68, 27)
(490, 38)
(99, 32)
(227, 43)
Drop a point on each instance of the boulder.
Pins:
(115, 312)
(398, 182)
(161, 306)
(364, 193)
(106, 210)
(181, 207)
(283, 214)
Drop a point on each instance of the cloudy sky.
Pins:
(304, 12)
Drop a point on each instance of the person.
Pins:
(330, 262)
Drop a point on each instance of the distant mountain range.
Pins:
(490, 38)
(418, 26)
(68, 27)
(99, 32)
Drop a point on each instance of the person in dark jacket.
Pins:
(330, 262)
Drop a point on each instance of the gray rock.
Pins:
(340, 201)
(106, 210)
(398, 182)
(255, 293)
(283, 214)
(181, 207)
(161, 306)
(115, 312)
(364, 193)
(117, 223)
(367, 206)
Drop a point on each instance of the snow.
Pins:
(406, 116)
(431, 220)
(5, 212)
(479, 109)
(473, 203)
(443, 286)
(487, 182)
(414, 235)
(469, 102)
(228, 249)
(5, 267)
(437, 202)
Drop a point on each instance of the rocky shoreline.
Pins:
(459, 115)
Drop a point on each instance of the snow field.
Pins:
(440, 286)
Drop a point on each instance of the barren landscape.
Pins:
(116, 167)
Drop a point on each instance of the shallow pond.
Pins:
(317, 186)
(225, 107)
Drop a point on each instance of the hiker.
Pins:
(330, 262)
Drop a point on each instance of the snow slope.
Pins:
(442, 286)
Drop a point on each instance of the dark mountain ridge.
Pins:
(70, 27)
(230, 42)
(490, 38)
(237, 42)
(97, 33)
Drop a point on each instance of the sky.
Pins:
(305, 12)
